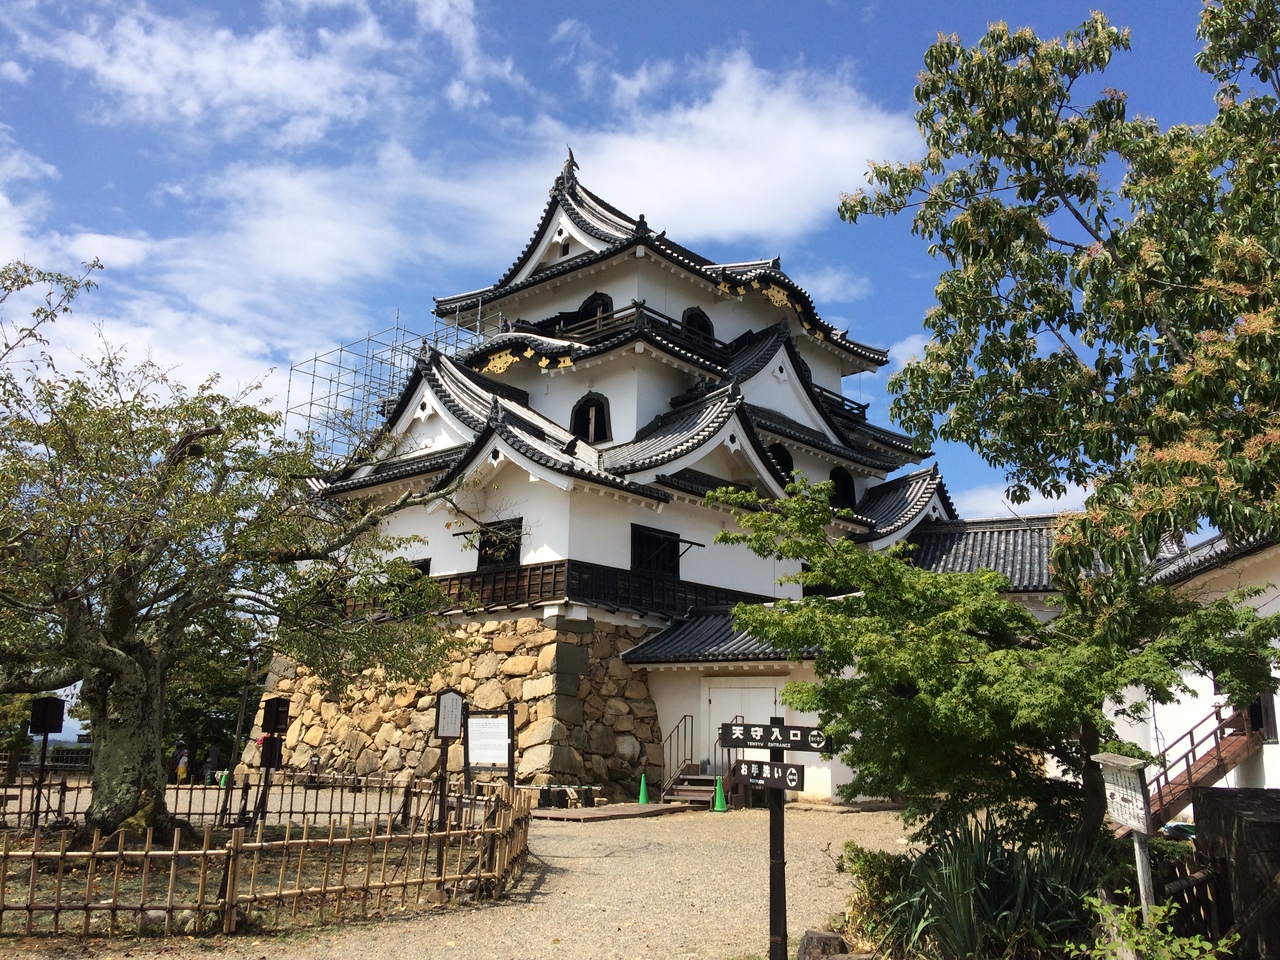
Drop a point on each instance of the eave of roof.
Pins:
(1215, 552)
(893, 506)
(707, 638)
(1017, 547)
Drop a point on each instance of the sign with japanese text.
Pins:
(1126, 781)
(763, 773)
(765, 736)
(449, 715)
(487, 740)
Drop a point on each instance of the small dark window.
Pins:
(564, 248)
(845, 494)
(655, 551)
(499, 543)
(782, 457)
(696, 321)
(422, 566)
(590, 420)
(596, 305)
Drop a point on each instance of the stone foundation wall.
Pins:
(582, 715)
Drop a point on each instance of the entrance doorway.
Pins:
(755, 701)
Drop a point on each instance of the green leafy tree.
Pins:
(1107, 312)
(141, 518)
(942, 690)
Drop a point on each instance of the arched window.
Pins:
(596, 305)
(782, 457)
(695, 321)
(845, 494)
(590, 420)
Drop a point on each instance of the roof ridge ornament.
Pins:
(566, 174)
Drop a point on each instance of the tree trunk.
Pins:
(1093, 812)
(128, 756)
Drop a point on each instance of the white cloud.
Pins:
(13, 72)
(756, 155)
(455, 21)
(990, 501)
(834, 284)
(161, 70)
(908, 349)
(629, 90)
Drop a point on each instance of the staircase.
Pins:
(684, 781)
(1200, 757)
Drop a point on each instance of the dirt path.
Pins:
(692, 885)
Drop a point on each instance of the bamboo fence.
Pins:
(267, 877)
(243, 801)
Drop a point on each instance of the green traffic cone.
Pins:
(644, 789)
(720, 806)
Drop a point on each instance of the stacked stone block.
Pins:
(582, 715)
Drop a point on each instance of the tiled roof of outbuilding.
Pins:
(1017, 547)
(705, 638)
(1214, 552)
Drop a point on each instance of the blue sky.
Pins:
(264, 181)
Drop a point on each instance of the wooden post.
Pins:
(777, 863)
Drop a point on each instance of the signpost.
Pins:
(780, 776)
(1129, 804)
(777, 737)
(448, 729)
(760, 736)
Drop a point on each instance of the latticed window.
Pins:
(655, 551)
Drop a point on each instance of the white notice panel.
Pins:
(449, 715)
(487, 740)
(1126, 790)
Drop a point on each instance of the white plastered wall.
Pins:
(686, 689)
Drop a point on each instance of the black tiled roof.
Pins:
(1214, 552)
(892, 506)
(674, 434)
(1017, 547)
(706, 638)
(620, 233)
(771, 421)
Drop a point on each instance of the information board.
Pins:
(1126, 781)
(487, 740)
(449, 715)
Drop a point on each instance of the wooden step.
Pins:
(1233, 749)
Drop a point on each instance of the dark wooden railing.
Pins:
(589, 583)
(842, 405)
(590, 329)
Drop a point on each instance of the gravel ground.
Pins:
(690, 885)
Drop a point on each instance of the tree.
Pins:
(941, 689)
(142, 521)
(1108, 311)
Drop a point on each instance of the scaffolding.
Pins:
(341, 397)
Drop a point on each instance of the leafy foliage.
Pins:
(150, 529)
(943, 690)
(1108, 309)
(973, 894)
(1123, 934)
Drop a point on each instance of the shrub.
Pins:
(974, 894)
(1123, 934)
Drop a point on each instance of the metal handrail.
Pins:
(1201, 743)
(727, 757)
(677, 752)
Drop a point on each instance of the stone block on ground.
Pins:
(817, 943)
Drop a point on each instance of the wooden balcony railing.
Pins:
(592, 329)
(592, 584)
